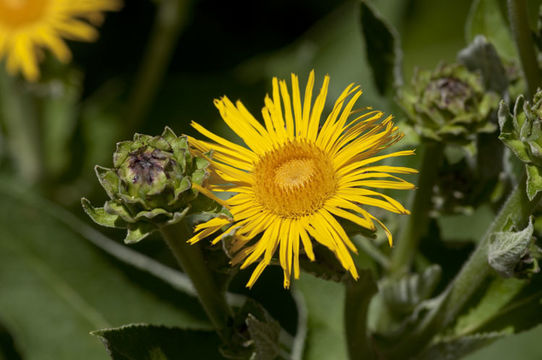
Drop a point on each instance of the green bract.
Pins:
(149, 185)
(448, 104)
(521, 132)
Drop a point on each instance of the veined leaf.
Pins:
(56, 287)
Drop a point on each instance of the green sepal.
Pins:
(202, 163)
(169, 135)
(183, 186)
(108, 179)
(159, 143)
(100, 216)
(534, 181)
(113, 207)
(199, 176)
(130, 200)
(138, 231)
(151, 214)
(121, 154)
(178, 216)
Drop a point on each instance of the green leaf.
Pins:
(518, 315)
(485, 18)
(265, 335)
(357, 299)
(525, 346)
(507, 250)
(481, 55)
(456, 348)
(324, 302)
(256, 335)
(498, 295)
(382, 48)
(57, 287)
(151, 342)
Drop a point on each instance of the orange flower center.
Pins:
(17, 13)
(294, 180)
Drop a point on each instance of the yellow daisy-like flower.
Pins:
(295, 178)
(28, 26)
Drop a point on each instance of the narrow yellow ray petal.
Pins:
(307, 106)
(276, 111)
(383, 184)
(287, 110)
(296, 98)
(307, 244)
(210, 195)
(256, 274)
(240, 126)
(316, 113)
(227, 144)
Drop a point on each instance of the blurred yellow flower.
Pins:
(28, 26)
(296, 178)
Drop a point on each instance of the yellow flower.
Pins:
(28, 26)
(295, 177)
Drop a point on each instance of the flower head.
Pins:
(449, 104)
(150, 184)
(295, 179)
(28, 26)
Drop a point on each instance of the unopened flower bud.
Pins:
(449, 104)
(150, 184)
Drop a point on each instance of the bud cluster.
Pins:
(521, 132)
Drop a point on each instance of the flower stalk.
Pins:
(416, 223)
(191, 260)
(517, 14)
(22, 128)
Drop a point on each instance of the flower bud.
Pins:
(150, 184)
(448, 104)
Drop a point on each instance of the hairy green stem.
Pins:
(191, 260)
(474, 272)
(357, 299)
(169, 22)
(21, 129)
(517, 14)
(517, 209)
(416, 223)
